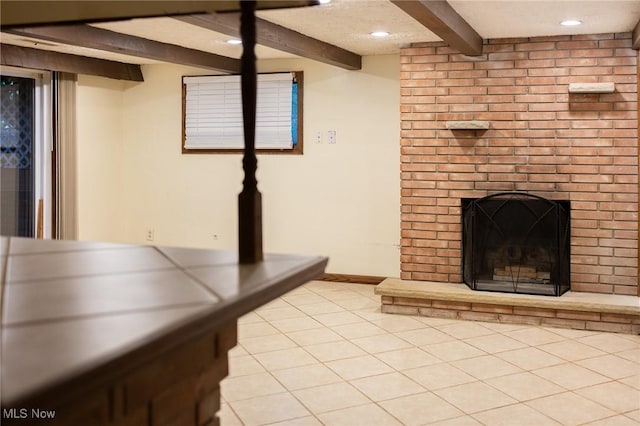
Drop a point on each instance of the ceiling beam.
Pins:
(280, 38)
(26, 57)
(441, 19)
(111, 41)
(23, 13)
(636, 37)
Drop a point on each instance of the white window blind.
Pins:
(213, 112)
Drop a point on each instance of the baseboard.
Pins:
(353, 279)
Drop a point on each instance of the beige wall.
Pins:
(337, 200)
(99, 131)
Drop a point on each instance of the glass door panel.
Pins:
(17, 160)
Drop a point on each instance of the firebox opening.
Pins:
(517, 243)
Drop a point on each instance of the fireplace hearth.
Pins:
(516, 242)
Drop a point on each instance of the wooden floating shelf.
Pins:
(468, 125)
(592, 87)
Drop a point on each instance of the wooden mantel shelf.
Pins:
(110, 333)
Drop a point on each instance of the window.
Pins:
(212, 114)
(25, 154)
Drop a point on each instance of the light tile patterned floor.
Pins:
(325, 355)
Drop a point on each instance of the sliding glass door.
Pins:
(25, 157)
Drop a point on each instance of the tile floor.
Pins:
(325, 355)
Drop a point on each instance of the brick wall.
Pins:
(542, 140)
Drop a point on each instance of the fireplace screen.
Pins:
(515, 242)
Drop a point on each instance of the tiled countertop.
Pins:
(76, 313)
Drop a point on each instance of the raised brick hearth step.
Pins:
(577, 310)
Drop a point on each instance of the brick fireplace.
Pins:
(541, 140)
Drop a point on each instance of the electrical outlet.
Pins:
(150, 234)
(331, 134)
(216, 237)
(318, 137)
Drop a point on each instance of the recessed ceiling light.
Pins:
(380, 34)
(234, 41)
(324, 1)
(570, 22)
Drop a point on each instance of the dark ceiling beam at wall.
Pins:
(280, 38)
(636, 37)
(111, 41)
(26, 57)
(22, 13)
(441, 19)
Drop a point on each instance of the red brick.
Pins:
(458, 99)
(549, 54)
(519, 319)
(414, 268)
(620, 318)
(533, 47)
(438, 313)
(444, 304)
(502, 56)
(592, 71)
(476, 90)
(597, 37)
(467, 108)
(479, 316)
(468, 82)
(417, 51)
(625, 52)
(534, 312)
(454, 66)
(618, 61)
(513, 40)
(591, 287)
(627, 287)
(626, 42)
(386, 300)
(564, 323)
(500, 309)
(495, 81)
(547, 107)
(397, 309)
(493, 65)
(611, 327)
(624, 271)
(577, 315)
(492, 48)
(577, 45)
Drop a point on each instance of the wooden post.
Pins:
(250, 199)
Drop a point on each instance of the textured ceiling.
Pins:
(531, 18)
(347, 24)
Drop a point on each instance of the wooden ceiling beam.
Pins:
(280, 38)
(636, 37)
(441, 19)
(26, 57)
(23, 13)
(111, 41)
